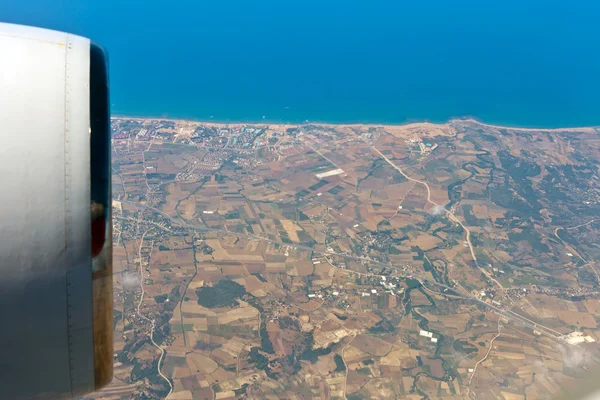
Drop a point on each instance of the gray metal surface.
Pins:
(45, 264)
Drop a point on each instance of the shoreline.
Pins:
(357, 124)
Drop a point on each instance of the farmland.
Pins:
(353, 261)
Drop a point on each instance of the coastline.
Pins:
(407, 125)
(516, 128)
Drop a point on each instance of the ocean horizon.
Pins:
(513, 63)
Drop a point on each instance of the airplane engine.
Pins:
(55, 218)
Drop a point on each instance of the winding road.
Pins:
(483, 359)
(162, 351)
(448, 212)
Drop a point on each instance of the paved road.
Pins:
(152, 322)
(448, 212)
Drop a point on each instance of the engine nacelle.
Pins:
(55, 221)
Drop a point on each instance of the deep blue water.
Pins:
(515, 62)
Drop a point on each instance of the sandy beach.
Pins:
(387, 127)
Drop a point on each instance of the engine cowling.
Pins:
(55, 222)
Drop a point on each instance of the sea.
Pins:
(510, 62)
